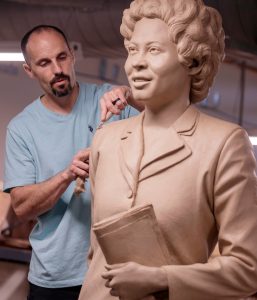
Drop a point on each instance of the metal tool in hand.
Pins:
(108, 115)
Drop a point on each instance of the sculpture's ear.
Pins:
(195, 64)
(195, 67)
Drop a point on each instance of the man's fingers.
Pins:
(80, 164)
(114, 101)
(123, 93)
(114, 266)
(119, 104)
(114, 293)
(79, 173)
(107, 109)
(112, 105)
(84, 165)
(122, 98)
(82, 155)
(107, 276)
(103, 109)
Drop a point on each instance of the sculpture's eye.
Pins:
(154, 50)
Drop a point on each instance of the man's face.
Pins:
(152, 66)
(51, 62)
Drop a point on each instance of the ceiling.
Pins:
(94, 24)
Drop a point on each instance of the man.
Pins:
(45, 153)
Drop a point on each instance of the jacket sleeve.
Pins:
(232, 275)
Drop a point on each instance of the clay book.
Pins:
(133, 235)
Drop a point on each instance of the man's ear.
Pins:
(28, 70)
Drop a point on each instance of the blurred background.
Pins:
(92, 26)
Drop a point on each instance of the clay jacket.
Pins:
(200, 177)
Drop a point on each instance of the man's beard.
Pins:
(62, 92)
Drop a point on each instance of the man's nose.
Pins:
(56, 67)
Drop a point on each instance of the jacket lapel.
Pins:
(131, 151)
(169, 149)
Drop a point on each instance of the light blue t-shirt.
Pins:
(39, 144)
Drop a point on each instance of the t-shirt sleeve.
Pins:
(19, 164)
(101, 89)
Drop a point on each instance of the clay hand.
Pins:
(132, 281)
(114, 101)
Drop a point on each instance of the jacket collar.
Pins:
(169, 149)
(184, 125)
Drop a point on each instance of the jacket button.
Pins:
(130, 194)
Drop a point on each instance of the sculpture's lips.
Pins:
(140, 82)
(141, 79)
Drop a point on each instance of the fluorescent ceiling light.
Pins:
(253, 140)
(11, 56)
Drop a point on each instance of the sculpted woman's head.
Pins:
(194, 28)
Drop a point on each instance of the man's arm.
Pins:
(108, 101)
(33, 200)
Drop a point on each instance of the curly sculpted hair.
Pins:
(195, 28)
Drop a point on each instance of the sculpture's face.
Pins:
(152, 66)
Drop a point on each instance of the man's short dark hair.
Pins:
(40, 28)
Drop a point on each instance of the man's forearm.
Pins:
(33, 200)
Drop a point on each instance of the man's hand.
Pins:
(32, 200)
(109, 102)
(79, 166)
(132, 281)
(114, 101)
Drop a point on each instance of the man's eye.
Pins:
(43, 64)
(62, 57)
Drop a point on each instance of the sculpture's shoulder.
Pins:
(214, 127)
(111, 132)
(120, 125)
